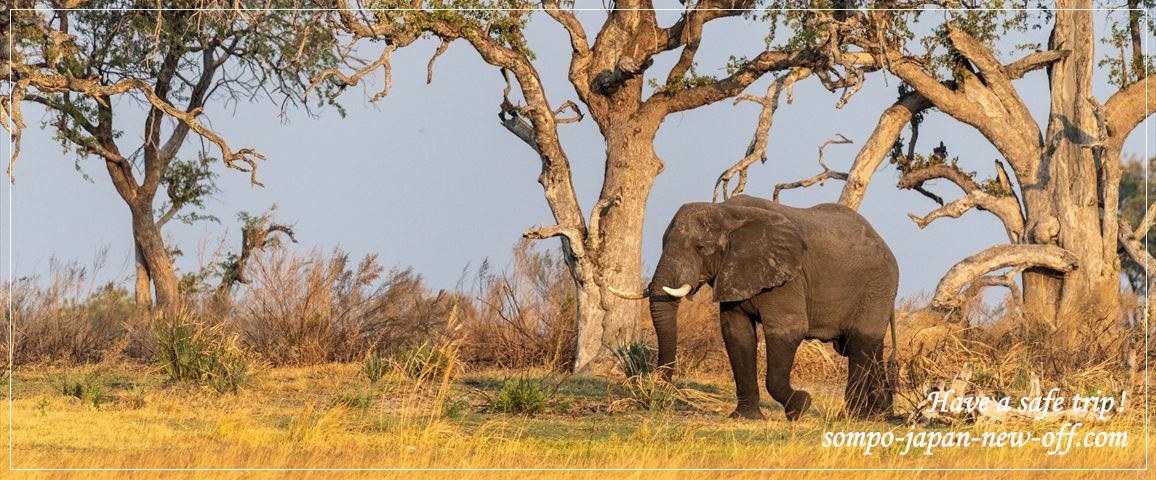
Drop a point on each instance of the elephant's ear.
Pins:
(765, 251)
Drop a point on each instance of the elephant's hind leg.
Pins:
(738, 330)
(867, 393)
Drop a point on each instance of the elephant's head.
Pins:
(742, 250)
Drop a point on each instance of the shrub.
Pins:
(67, 318)
(636, 359)
(303, 309)
(86, 389)
(524, 316)
(191, 352)
(651, 392)
(521, 396)
(374, 367)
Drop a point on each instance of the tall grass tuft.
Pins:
(188, 351)
(636, 359)
(374, 367)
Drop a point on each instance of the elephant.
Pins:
(802, 273)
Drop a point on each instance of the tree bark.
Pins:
(605, 321)
(150, 245)
(1061, 202)
(144, 281)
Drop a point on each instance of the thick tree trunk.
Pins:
(606, 322)
(1062, 204)
(144, 281)
(150, 245)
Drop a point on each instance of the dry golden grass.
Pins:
(317, 418)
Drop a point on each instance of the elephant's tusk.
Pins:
(681, 292)
(629, 295)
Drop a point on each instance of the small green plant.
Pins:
(136, 399)
(193, 352)
(374, 367)
(86, 389)
(42, 407)
(523, 396)
(454, 408)
(651, 392)
(636, 359)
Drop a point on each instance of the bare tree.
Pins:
(1058, 197)
(87, 68)
(607, 73)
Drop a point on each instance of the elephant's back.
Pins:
(834, 231)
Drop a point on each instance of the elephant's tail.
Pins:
(894, 342)
(892, 367)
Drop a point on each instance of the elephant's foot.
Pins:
(749, 413)
(797, 405)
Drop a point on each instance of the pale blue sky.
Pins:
(428, 178)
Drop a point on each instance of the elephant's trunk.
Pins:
(664, 313)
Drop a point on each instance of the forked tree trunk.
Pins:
(1062, 202)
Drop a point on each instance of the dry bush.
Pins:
(1006, 350)
(72, 319)
(523, 317)
(308, 309)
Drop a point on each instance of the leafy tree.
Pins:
(88, 68)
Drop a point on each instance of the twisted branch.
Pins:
(1019, 257)
(820, 178)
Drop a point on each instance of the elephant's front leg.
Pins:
(783, 312)
(781, 348)
(738, 330)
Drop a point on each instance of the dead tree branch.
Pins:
(1019, 257)
(757, 150)
(820, 178)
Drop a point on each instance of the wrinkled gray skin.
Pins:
(812, 273)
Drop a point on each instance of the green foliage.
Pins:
(1124, 64)
(87, 389)
(189, 351)
(521, 396)
(454, 408)
(636, 359)
(188, 183)
(690, 79)
(501, 21)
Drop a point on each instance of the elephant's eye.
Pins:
(702, 249)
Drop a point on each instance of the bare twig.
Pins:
(429, 68)
(820, 178)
